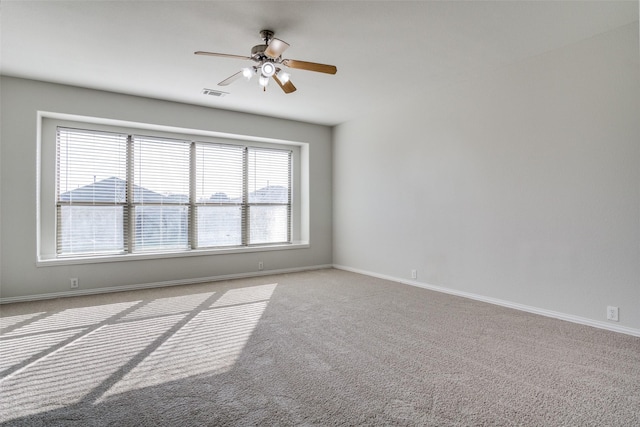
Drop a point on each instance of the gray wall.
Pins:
(522, 185)
(22, 99)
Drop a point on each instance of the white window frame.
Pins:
(48, 122)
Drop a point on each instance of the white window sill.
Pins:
(44, 262)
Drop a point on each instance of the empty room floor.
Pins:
(324, 347)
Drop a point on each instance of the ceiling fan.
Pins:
(268, 58)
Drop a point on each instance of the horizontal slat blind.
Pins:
(91, 166)
(91, 191)
(118, 193)
(219, 194)
(269, 192)
(160, 193)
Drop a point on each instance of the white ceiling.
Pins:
(384, 50)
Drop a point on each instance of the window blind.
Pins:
(219, 175)
(119, 193)
(269, 194)
(160, 190)
(91, 191)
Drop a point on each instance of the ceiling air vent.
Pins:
(213, 92)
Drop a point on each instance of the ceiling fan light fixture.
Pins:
(284, 76)
(247, 73)
(268, 70)
(263, 81)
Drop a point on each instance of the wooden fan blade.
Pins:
(223, 55)
(310, 66)
(276, 48)
(231, 79)
(287, 87)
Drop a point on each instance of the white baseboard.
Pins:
(134, 287)
(503, 303)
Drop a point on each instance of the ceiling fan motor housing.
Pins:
(258, 50)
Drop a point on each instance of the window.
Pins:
(121, 193)
(91, 202)
(160, 183)
(219, 195)
(269, 183)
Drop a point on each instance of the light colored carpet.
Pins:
(326, 347)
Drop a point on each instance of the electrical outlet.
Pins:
(414, 274)
(73, 282)
(260, 265)
(612, 313)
